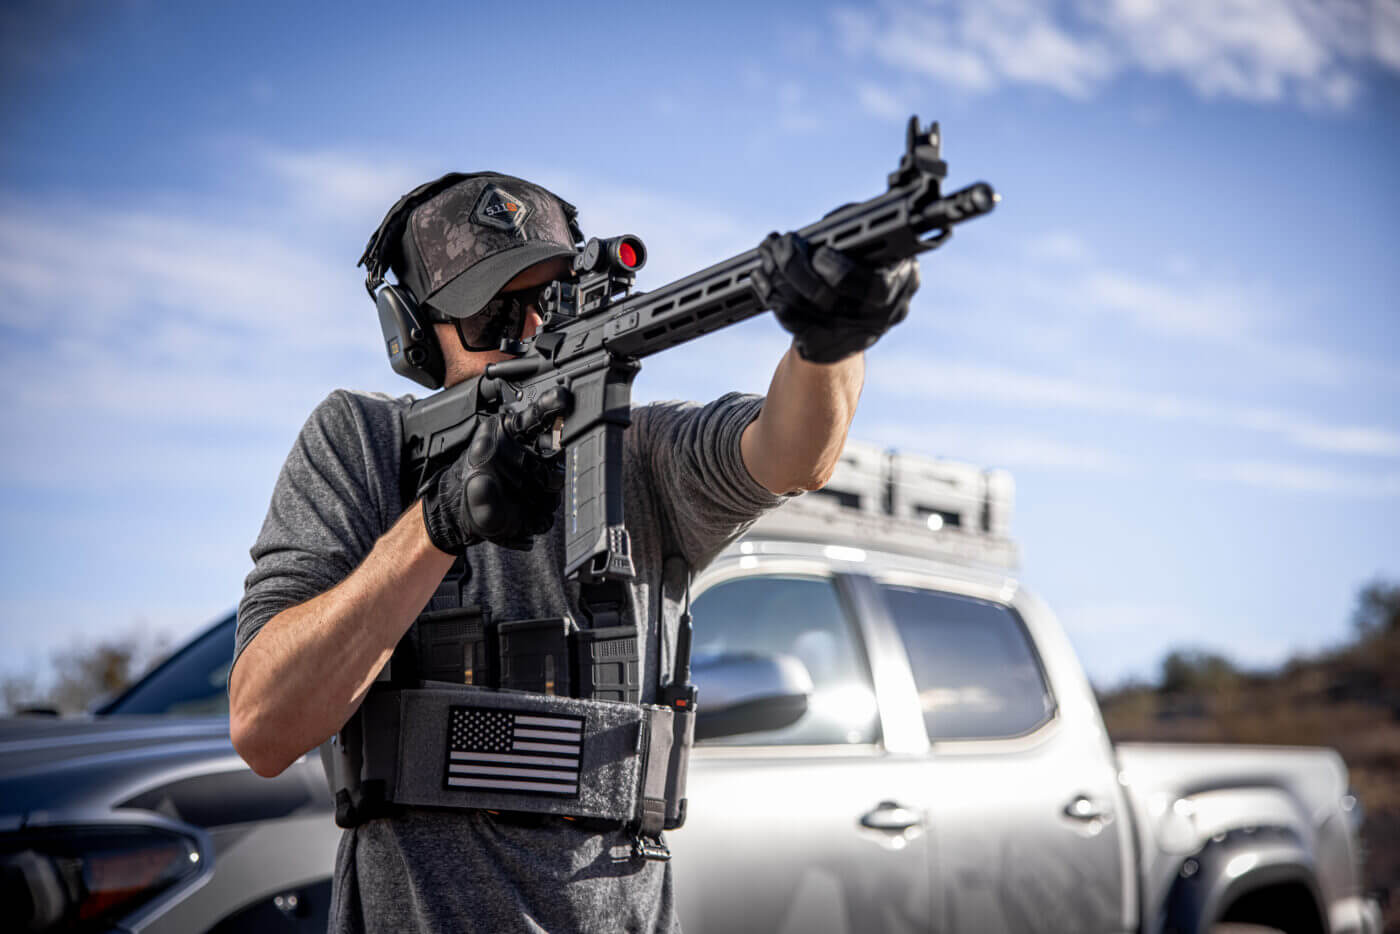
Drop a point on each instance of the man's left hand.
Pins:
(833, 305)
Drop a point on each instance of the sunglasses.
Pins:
(501, 318)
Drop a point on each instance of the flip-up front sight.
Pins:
(922, 154)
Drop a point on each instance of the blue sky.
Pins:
(1178, 330)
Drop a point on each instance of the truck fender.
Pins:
(1235, 864)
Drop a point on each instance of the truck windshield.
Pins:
(190, 683)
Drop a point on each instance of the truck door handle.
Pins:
(891, 816)
(1085, 808)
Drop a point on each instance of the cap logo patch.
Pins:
(500, 209)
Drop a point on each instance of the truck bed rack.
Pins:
(884, 500)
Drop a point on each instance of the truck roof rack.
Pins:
(905, 503)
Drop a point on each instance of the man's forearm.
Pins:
(796, 441)
(307, 670)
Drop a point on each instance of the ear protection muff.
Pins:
(409, 337)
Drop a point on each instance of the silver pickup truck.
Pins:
(949, 770)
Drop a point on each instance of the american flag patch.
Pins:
(503, 750)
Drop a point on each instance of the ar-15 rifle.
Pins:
(595, 334)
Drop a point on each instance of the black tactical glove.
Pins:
(499, 490)
(833, 305)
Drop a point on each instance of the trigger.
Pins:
(556, 435)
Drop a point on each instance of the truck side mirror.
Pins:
(748, 693)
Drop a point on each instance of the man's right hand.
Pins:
(498, 490)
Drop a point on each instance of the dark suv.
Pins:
(121, 819)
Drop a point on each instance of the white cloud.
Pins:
(913, 41)
(922, 378)
(339, 185)
(792, 108)
(1319, 435)
(1258, 50)
(1070, 276)
(1306, 479)
(985, 446)
(1239, 48)
(101, 272)
(1020, 40)
(793, 113)
(1182, 301)
(879, 102)
(1164, 309)
(156, 314)
(1385, 33)
(163, 319)
(1060, 246)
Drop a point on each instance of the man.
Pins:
(344, 563)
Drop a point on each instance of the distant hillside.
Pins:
(1348, 699)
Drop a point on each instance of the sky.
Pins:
(1178, 330)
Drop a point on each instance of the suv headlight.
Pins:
(80, 878)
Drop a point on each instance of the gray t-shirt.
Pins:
(687, 494)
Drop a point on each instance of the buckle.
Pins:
(653, 848)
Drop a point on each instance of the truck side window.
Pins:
(802, 617)
(974, 667)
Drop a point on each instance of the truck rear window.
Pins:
(974, 666)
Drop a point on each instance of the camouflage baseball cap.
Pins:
(464, 243)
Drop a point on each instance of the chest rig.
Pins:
(524, 718)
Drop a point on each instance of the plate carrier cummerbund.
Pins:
(457, 746)
(501, 739)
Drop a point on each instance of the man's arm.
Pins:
(835, 308)
(310, 665)
(340, 570)
(797, 439)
